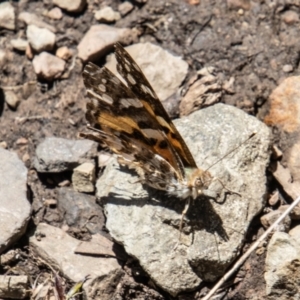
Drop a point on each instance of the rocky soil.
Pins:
(68, 212)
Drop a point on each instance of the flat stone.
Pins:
(75, 6)
(57, 248)
(40, 39)
(48, 66)
(14, 287)
(282, 270)
(146, 221)
(7, 16)
(55, 155)
(164, 71)
(14, 205)
(99, 40)
(83, 178)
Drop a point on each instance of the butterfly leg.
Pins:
(186, 208)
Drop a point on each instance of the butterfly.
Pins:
(131, 121)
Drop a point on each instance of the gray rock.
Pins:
(40, 39)
(146, 222)
(48, 66)
(282, 266)
(7, 16)
(55, 155)
(15, 208)
(80, 210)
(268, 219)
(57, 248)
(14, 287)
(164, 71)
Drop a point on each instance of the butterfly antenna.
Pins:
(251, 135)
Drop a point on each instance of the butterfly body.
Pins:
(131, 121)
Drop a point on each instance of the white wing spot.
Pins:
(136, 66)
(152, 133)
(104, 81)
(107, 99)
(163, 122)
(102, 88)
(126, 102)
(115, 80)
(131, 79)
(93, 94)
(147, 90)
(95, 102)
(127, 67)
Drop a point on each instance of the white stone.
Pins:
(19, 44)
(40, 39)
(7, 16)
(125, 7)
(48, 66)
(164, 71)
(71, 5)
(107, 15)
(99, 39)
(55, 13)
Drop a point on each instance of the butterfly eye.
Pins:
(198, 182)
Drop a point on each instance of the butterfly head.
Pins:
(198, 181)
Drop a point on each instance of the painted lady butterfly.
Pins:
(132, 122)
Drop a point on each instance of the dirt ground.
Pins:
(251, 42)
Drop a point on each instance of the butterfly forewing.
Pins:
(120, 120)
(140, 86)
